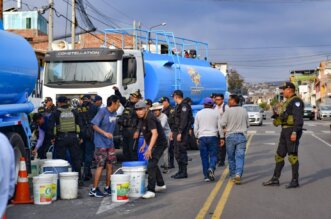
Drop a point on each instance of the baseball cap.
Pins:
(178, 93)
(287, 85)
(156, 106)
(48, 99)
(62, 99)
(164, 99)
(208, 101)
(148, 102)
(97, 97)
(136, 94)
(140, 104)
(86, 97)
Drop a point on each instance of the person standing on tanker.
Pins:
(128, 122)
(220, 107)
(104, 125)
(290, 117)
(180, 133)
(156, 140)
(235, 121)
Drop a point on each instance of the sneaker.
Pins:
(96, 193)
(148, 195)
(237, 180)
(107, 191)
(211, 175)
(207, 179)
(160, 188)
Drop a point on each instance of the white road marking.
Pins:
(107, 204)
(326, 132)
(321, 140)
(271, 143)
(251, 132)
(270, 132)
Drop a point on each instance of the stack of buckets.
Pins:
(131, 184)
(55, 181)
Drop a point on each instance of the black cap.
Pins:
(97, 97)
(287, 85)
(148, 102)
(164, 99)
(212, 95)
(178, 93)
(86, 97)
(47, 99)
(62, 99)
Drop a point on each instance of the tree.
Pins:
(235, 82)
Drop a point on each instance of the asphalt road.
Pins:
(194, 198)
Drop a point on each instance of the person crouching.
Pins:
(157, 142)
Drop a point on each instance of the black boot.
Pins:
(86, 175)
(179, 171)
(274, 181)
(293, 184)
(183, 174)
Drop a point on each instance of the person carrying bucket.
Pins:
(157, 143)
(104, 126)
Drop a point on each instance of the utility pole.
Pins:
(50, 25)
(73, 25)
(134, 35)
(1, 9)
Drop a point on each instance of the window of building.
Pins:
(28, 23)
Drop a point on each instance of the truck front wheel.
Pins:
(18, 146)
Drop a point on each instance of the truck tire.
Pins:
(19, 149)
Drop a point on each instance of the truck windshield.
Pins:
(81, 72)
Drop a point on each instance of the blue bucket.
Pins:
(56, 167)
(141, 154)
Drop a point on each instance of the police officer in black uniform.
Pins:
(290, 117)
(128, 122)
(87, 111)
(64, 129)
(48, 107)
(169, 111)
(180, 133)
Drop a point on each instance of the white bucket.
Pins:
(136, 170)
(40, 164)
(55, 178)
(120, 187)
(69, 185)
(35, 169)
(42, 189)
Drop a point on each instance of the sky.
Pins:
(262, 39)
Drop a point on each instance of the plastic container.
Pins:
(54, 183)
(69, 185)
(120, 186)
(42, 189)
(141, 156)
(136, 170)
(56, 167)
(35, 169)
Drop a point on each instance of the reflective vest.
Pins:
(289, 120)
(67, 121)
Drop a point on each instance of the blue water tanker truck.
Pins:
(18, 74)
(156, 62)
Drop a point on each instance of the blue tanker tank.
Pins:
(196, 78)
(18, 69)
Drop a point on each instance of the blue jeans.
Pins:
(235, 148)
(208, 153)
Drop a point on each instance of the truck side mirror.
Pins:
(125, 86)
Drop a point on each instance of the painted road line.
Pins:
(250, 132)
(203, 211)
(270, 132)
(321, 140)
(224, 198)
(271, 143)
(326, 132)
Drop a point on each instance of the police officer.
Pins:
(87, 111)
(290, 117)
(180, 134)
(169, 111)
(48, 107)
(64, 129)
(128, 122)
